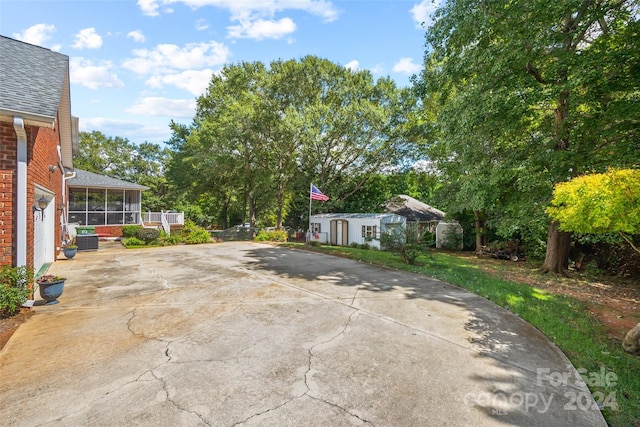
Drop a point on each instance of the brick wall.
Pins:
(109, 230)
(42, 151)
(8, 166)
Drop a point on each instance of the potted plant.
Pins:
(70, 248)
(51, 288)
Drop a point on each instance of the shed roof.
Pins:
(352, 215)
(412, 209)
(32, 79)
(94, 180)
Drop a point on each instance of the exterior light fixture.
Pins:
(42, 202)
(40, 205)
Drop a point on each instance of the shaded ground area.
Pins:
(613, 301)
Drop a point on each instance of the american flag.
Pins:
(317, 194)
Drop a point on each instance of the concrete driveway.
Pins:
(255, 335)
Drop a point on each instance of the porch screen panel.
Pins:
(115, 207)
(77, 205)
(96, 203)
(132, 207)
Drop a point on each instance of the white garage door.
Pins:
(44, 234)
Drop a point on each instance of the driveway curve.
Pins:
(249, 334)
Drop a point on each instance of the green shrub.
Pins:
(132, 241)
(15, 287)
(195, 235)
(147, 235)
(271, 236)
(130, 230)
(168, 240)
(406, 242)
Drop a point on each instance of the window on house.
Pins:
(315, 227)
(369, 232)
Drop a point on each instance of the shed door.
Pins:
(43, 235)
(339, 232)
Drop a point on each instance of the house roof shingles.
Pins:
(94, 180)
(31, 78)
(352, 215)
(412, 209)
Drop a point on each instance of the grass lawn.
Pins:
(566, 321)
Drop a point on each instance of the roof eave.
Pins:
(29, 119)
(106, 187)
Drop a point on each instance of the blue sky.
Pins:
(137, 65)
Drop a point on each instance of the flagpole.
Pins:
(310, 199)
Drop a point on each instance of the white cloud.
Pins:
(100, 123)
(423, 11)
(193, 81)
(166, 107)
(201, 25)
(132, 130)
(166, 58)
(87, 38)
(253, 18)
(352, 65)
(263, 8)
(262, 29)
(149, 7)
(407, 66)
(137, 36)
(93, 75)
(377, 69)
(37, 34)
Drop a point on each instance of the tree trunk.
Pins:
(481, 232)
(224, 214)
(280, 201)
(556, 259)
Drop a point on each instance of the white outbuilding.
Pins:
(344, 229)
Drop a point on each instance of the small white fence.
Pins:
(167, 219)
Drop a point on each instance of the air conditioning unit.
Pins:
(87, 242)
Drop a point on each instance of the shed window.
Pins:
(369, 231)
(315, 227)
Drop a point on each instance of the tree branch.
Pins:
(629, 241)
(535, 73)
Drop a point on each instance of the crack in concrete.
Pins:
(355, 294)
(311, 356)
(343, 410)
(167, 343)
(174, 403)
(307, 380)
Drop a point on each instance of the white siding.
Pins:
(44, 236)
(355, 222)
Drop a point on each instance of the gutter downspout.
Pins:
(21, 192)
(65, 209)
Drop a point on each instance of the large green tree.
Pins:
(262, 134)
(117, 157)
(528, 94)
